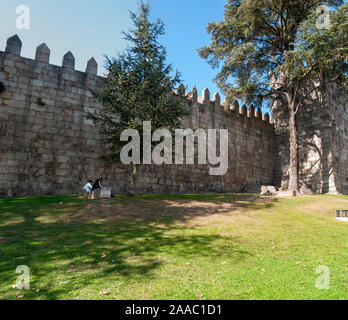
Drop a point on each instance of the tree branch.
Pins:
(322, 84)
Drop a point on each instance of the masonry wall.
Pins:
(323, 142)
(340, 138)
(48, 147)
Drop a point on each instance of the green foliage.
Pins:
(320, 52)
(139, 86)
(274, 50)
(259, 38)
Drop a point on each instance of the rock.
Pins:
(105, 193)
(252, 188)
(259, 189)
(286, 194)
(269, 190)
(305, 190)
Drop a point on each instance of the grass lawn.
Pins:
(174, 247)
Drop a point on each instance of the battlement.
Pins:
(205, 99)
(42, 54)
(48, 146)
(42, 58)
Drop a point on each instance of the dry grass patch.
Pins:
(184, 212)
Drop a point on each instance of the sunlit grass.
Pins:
(174, 247)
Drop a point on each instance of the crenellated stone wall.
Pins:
(48, 147)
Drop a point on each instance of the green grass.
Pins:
(174, 247)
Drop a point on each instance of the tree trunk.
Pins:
(293, 166)
(132, 177)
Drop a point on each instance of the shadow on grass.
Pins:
(171, 209)
(37, 232)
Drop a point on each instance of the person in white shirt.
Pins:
(88, 188)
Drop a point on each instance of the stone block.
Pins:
(42, 53)
(269, 190)
(68, 61)
(105, 193)
(14, 45)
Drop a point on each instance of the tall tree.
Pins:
(274, 49)
(139, 87)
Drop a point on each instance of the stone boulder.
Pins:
(269, 190)
(105, 193)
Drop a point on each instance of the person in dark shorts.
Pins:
(98, 184)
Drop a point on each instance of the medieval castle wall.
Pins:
(323, 141)
(48, 147)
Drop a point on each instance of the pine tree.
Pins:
(139, 87)
(273, 50)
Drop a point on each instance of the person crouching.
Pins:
(88, 189)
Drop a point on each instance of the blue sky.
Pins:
(93, 28)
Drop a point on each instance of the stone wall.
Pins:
(48, 147)
(340, 138)
(323, 142)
